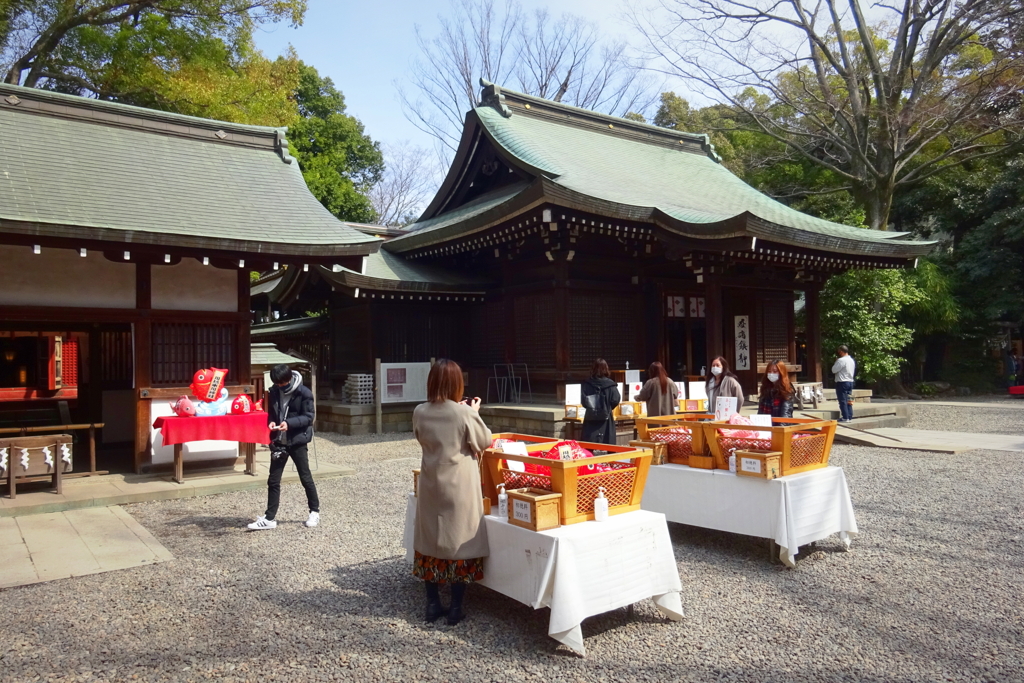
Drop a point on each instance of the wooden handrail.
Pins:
(37, 428)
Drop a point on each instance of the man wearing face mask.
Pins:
(844, 369)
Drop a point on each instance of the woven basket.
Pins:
(679, 441)
(618, 485)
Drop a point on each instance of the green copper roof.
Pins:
(630, 171)
(79, 168)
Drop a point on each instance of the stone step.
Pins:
(830, 410)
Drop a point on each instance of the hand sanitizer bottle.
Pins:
(600, 506)
(502, 502)
(732, 463)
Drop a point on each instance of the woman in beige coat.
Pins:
(450, 538)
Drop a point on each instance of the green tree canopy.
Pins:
(339, 161)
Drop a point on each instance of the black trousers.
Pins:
(298, 454)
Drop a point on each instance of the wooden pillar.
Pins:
(244, 352)
(143, 339)
(812, 312)
(714, 319)
(561, 317)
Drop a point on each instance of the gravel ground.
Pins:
(930, 592)
(1002, 417)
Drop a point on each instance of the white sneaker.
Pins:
(314, 519)
(263, 523)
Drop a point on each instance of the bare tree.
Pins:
(564, 60)
(410, 178)
(883, 100)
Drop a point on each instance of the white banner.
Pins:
(742, 338)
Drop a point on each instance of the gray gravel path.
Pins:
(999, 417)
(930, 592)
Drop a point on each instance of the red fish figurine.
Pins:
(184, 407)
(241, 405)
(207, 383)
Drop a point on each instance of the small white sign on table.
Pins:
(573, 394)
(725, 407)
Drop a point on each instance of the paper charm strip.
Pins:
(3, 459)
(65, 453)
(24, 458)
(48, 456)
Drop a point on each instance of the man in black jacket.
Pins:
(290, 416)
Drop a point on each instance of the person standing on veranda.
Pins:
(450, 538)
(844, 369)
(659, 391)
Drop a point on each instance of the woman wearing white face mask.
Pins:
(723, 383)
(776, 397)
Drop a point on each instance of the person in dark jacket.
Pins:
(290, 416)
(599, 423)
(776, 397)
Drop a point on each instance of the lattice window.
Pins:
(179, 349)
(489, 335)
(773, 330)
(600, 326)
(69, 371)
(117, 365)
(535, 330)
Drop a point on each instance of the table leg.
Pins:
(179, 466)
(92, 449)
(57, 467)
(10, 477)
(250, 458)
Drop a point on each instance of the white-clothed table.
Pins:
(579, 570)
(794, 510)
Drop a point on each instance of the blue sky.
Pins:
(366, 46)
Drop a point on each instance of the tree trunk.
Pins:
(877, 203)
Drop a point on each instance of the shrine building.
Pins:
(127, 237)
(561, 235)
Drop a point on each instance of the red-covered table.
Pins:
(248, 430)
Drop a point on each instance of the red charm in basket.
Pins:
(568, 450)
(738, 419)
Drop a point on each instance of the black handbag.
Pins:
(597, 407)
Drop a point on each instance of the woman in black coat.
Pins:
(602, 393)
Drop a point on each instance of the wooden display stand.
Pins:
(659, 450)
(644, 424)
(624, 486)
(808, 452)
(37, 464)
(628, 410)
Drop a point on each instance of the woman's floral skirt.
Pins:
(438, 570)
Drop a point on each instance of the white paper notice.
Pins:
(761, 420)
(521, 511)
(632, 376)
(573, 394)
(698, 390)
(515, 448)
(679, 385)
(634, 390)
(725, 407)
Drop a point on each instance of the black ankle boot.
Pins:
(434, 608)
(455, 614)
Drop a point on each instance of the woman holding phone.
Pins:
(450, 539)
